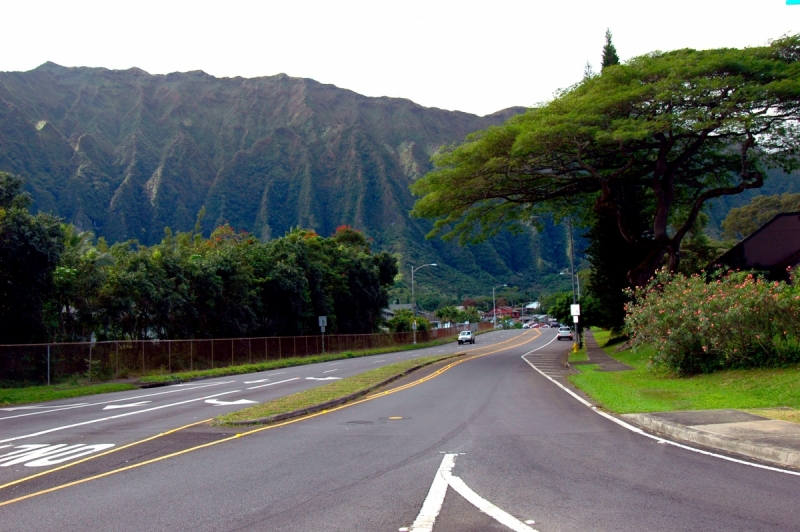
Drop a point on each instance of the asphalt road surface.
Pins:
(484, 442)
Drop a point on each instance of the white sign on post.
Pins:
(323, 322)
(575, 310)
(575, 319)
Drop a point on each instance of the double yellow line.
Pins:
(433, 375)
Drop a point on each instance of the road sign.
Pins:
(323, 321)
(575, 319)
(575, 310)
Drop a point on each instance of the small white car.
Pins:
(466, 337)
(564, 332)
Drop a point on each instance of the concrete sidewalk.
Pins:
(597, 356)
(731, 431)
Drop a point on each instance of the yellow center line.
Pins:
(253, 431)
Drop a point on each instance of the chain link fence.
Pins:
(103, 361)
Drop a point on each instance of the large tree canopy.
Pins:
(666, 130)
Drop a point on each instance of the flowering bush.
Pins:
(737, 320)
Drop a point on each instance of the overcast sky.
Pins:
(474, 56)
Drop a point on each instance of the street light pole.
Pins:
(413, 300)
(494, 306)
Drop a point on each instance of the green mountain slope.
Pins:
(126, 153)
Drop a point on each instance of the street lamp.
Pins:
(413, 301)
(494, 305)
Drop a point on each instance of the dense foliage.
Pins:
(58, 284)
(736, 320)
(30, 247)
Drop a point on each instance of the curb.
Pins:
(335, 402)
(766, 453)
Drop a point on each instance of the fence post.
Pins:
(142, 358)
(169, 356)
(249, 351)
(90, 363)
(231, 352)
(212, 353)
(191, 358)
(116, 350)
(48, 364)
(266, 353)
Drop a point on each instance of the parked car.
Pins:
(564, 332)
(466, 337)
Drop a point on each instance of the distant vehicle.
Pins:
(564, 332)
(466, 337)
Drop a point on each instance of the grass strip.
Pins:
(647, 390)
(339, 390)
(184, 376)
(39, 394)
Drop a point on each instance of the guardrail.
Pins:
(103, 361)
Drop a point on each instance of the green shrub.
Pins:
(736, 320)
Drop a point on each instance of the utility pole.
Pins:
(413, 300)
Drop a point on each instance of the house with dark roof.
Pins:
(773, 249)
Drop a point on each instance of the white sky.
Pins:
(467, 55)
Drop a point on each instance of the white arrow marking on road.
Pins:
(272, 383)
(219, 402)
(114, 407)
(433, 502)
(255, 382)
(323, 378)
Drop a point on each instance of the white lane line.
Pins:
(56, 429)
(381, 360)
(84, 405)
(34, 407)
(334, 363)
(114, 407)
(329, 371)
(272, 383)
(433, 502)
(323, 378)
(639, 431)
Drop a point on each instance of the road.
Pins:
(485, 443)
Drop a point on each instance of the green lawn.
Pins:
(39, 394)
(644, 390)
(329, 392)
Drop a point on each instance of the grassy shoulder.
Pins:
(329, 392)
(283, 363)
(645, 390)
(39, 394)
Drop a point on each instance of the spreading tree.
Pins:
(675, 129)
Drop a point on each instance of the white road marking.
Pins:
(272, 383)
(255, 382)
(330, 370)
(98, 420)
(637, 430)
(381, 360)
(323, 378)
(11, 409)
(84, 405)
(40, 455)
(113, 407)
(433, 502)
(219, 402)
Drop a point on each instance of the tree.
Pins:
(674, 129)
(610, 56)
(741, 222)
(30, 248)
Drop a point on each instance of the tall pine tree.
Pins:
(610, 56)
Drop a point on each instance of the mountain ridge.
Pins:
(125, 154)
